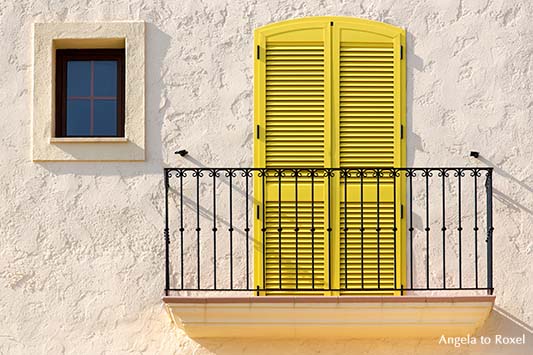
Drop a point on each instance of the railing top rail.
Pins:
(331, 169)
(344, 171)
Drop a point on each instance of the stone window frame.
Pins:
(47, 38)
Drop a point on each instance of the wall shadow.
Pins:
(504, 324)
(500, 196)
(198, 164)
(505, 174)
(413, 63)
(157, 45)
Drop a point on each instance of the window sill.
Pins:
(89, 140)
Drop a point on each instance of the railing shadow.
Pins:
(501, 196)
(205, 213)
(199, 164)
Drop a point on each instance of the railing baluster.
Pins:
(263, 173)
(230, 172)
(167, 237)
(394, 226)
(328, 173)
(313, 228)
(378, 173)
(444, 173)
(345, 228)
(460, 225)
(411, 229)
(198, 174)
(280, 229)
(490, 229)
(427, 172)
(247, 229)
(182, 229)
(296, 228)
(362, 229)
(215, 173)
(475, 172)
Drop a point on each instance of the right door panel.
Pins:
(367, 124)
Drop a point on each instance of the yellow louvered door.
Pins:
(290, 108)
(328, 92)
(367, 117)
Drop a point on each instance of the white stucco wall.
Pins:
(81, 248)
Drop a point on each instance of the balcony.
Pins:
(336, 252)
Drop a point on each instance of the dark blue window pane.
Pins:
(78, 78)
(105, 117)
(105, 78)
(78, 117)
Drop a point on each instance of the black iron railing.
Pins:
(444, 216)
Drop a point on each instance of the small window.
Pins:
(90, 93)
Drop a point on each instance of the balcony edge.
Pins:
(282, 317)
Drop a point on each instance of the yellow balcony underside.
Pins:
(329, 316)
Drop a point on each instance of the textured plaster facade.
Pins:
(81, 257)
